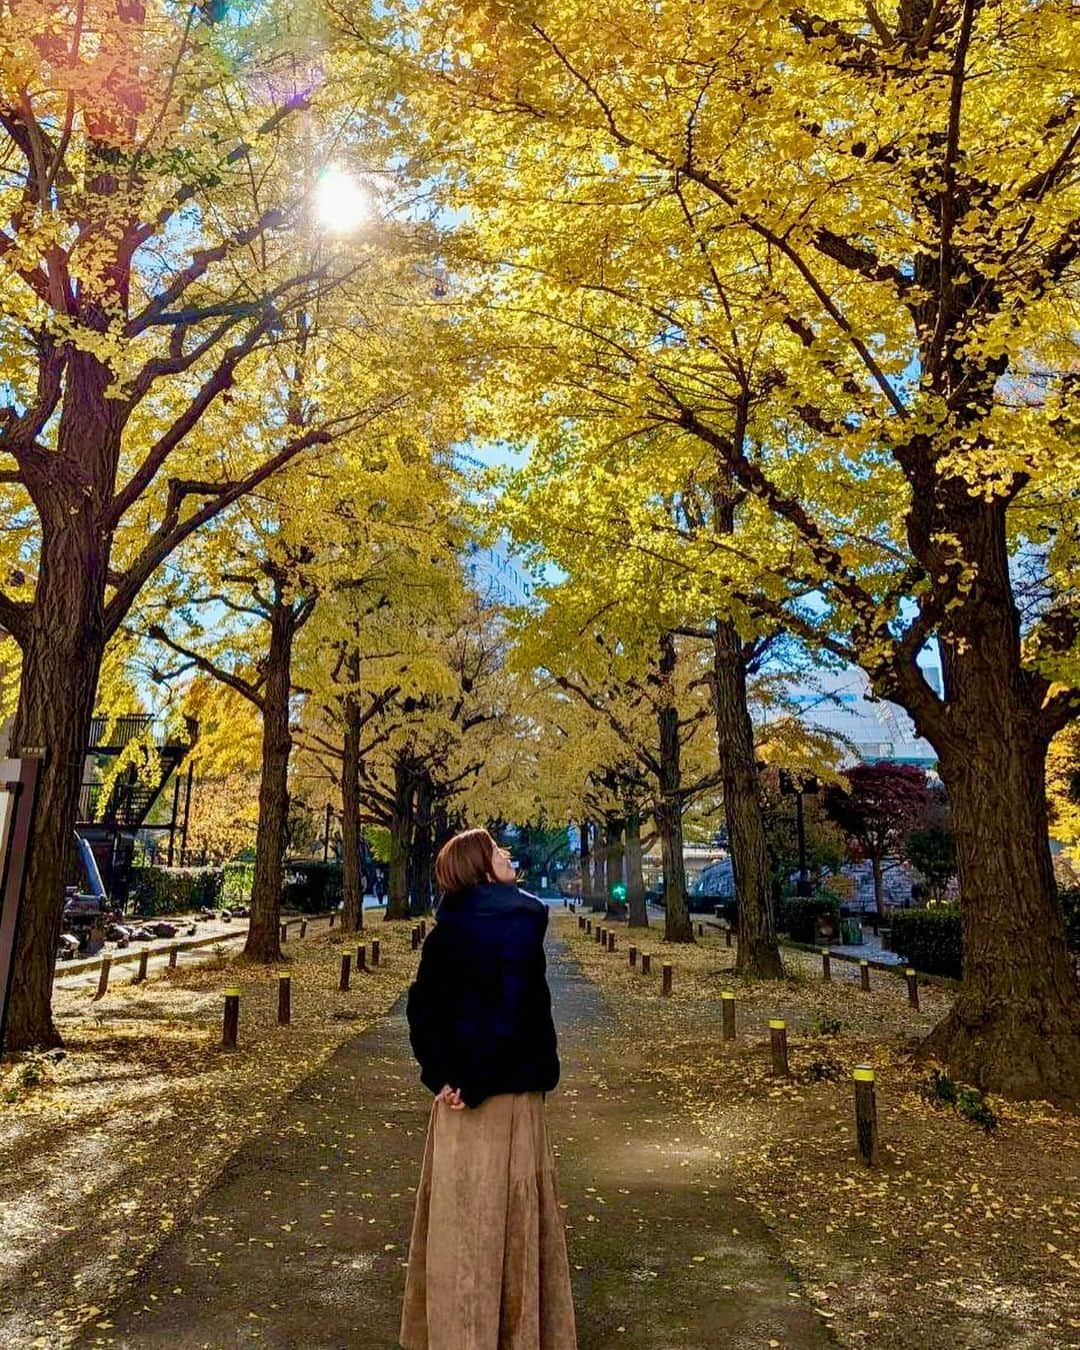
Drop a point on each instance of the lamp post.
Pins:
(798, 788)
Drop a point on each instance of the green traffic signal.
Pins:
(618, 891)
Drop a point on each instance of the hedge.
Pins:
(798, 916)
(932, 940)
(173, 890)
(312, 887)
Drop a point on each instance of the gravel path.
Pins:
(302, 1242)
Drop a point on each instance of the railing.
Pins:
(113, 733)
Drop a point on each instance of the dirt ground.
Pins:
(104, 1155)
(960, 1238)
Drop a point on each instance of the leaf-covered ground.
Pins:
(115, 1144)
(959, 1239)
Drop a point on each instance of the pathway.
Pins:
(302, 1241)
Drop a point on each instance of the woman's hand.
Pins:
(451, 1095)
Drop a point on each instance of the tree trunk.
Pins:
(420, 853)
(1015, 1026)
(585, 859)
(596, 881)
(401, 826)
(62, 645)
(264, 928)
(613, 859)
(879, 884)
(758, 952)
(60, 664)
(677, 925)
(635, 882)
(352, 876)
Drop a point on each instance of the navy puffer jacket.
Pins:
(480, 1009)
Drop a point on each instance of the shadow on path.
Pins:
(302, 1241)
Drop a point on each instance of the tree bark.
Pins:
(758, 952)
(635, 881)
(596, 880)
(352, 876)
(677, 925)
(879, 884)
(60, 664)
(401, 827)
(613, 858)
(420, 852)
(264, 927)
(1015, 1025)
(585, 859)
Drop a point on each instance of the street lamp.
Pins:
(790, 786)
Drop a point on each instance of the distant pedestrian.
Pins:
(488, 1267)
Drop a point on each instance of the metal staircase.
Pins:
(108, 818)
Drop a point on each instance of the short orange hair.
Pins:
(465, 861)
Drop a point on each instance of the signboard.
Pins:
(18, 790)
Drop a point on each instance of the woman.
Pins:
(488, 1268)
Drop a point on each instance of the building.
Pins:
(840, 704)
(497, 575)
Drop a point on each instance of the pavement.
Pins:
(302, 1241)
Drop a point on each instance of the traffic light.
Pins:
(618, 891)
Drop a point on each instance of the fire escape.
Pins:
(110, 827)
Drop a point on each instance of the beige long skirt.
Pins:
(488, 1268)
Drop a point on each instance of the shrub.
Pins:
(1070, 904)
(170, 890)
(239, 877)
(798, 915)
(931, 940)
(825, 1025)
(312, 887)
(968, 1102)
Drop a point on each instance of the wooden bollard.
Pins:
(588, 927)
(581, 922)
(826, 964)
(864, 976)
(600, 936)
(103, 977)
(144, 960)
(284, 932)
(912, 988)
(331, 923)
(361, 959)
(866, 1114)
(701, 930)
(374, 951)
(343, 982)
(727, 1015)
(303, 927)
(610, 941)
(646, 960)
(174, 952)
(633, 956)
(284, 1000)
(415, 938)
(778, 1040)
(665, 988)
(230, 1025)
(423, 929)
(727, 937)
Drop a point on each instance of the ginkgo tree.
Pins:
(831, 256)
(157, 166)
